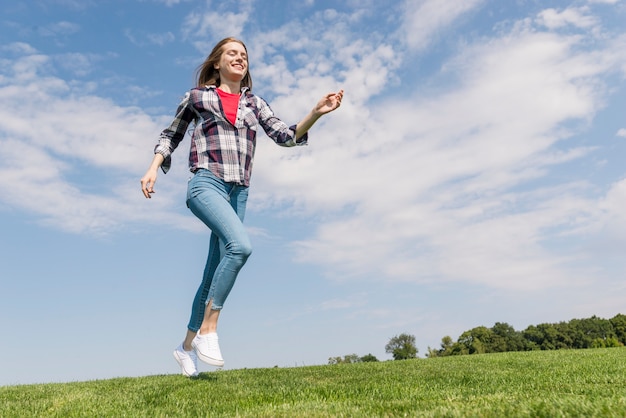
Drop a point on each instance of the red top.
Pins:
(230, 103)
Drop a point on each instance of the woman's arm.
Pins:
(326, 105)
(148, 180)
(168, 142)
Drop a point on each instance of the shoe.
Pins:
(188, 361)
(208, 349)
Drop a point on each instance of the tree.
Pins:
(591, 332)
(351, 358)
(619, 327)
(446, 348)
(476, 340)
(402, 347)
(347, 359)
(368, 358)
(505, 338)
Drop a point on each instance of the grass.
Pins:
(567, 383)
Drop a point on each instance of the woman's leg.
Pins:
(221, 207)
(209, 325)
(198, 309)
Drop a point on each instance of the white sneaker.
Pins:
(188, 361)
(208, 349)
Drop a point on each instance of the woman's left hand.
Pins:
(329, 103)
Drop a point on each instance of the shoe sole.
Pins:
(180, 363)
(208, 360)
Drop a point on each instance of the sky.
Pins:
(474, 174)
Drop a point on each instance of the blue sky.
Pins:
(474, 174)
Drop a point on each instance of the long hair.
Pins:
(206, 74)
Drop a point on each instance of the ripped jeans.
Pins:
(221, 206)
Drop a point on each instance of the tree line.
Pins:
(591, 332)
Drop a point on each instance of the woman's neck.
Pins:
(230, 87)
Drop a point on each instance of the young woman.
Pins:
(226, 116)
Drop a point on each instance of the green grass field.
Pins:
(566, 383)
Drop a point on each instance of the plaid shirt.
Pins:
(217, 145)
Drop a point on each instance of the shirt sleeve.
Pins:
(281, 133)
(175, 132)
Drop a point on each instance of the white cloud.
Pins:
(425, 19)
(578, 17)
(437, 185)
(161, 38)
(621, 133)
(78, 163)
(215, 23)
(613, 206)
(422, 185)
(19, 48)
(350, 302)
(59, 28)
(170, 3)
(78, 64)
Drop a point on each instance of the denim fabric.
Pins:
(221, 206)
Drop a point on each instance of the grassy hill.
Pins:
(583, 383)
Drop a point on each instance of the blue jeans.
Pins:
(221, 206)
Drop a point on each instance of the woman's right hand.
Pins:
(147, 182)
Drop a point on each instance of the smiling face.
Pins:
(229, 55)
(233, 64)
